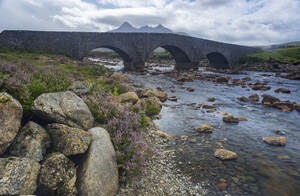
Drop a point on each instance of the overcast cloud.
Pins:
(248, 22)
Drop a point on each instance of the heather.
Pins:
(124, 124)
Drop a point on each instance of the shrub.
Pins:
(124, 124)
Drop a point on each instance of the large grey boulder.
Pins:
(98, 175)
(10, 120)
(18, 176)
(69, 140)
(57, 176)
(32, 142)
(63, 107)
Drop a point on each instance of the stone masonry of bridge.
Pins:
(133, 48)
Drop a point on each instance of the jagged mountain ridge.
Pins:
(126, 27)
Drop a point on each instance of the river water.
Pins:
(260, 169)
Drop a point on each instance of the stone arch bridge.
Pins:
(133, 48)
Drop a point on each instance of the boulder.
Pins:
(11, 113)
(18, 176)
(275, 141)
(230, 119)
(129, 97)
(282, 90)
(32, 142)
(147, 93)
(224, 154)
(254, 98)
(98, 174)
(79, 88)
(204, 129)
(151, 105)
(57, 176)
(69, 140)
(269, 100)
(63, 107)
(163, 134)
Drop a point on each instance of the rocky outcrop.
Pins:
(116, 77)
(151, 105)
(57, 176)
(275, 141)
(224, 154)
(18, 176)
(129, 97)
(69, 140)
(161, 95)
(11, 113)
(31, 142)
(98, 175)
(63, 107)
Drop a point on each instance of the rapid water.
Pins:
(260, 169)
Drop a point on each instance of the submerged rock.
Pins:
(129, 97)
(204, 129)
(11, 113)
(275, 141)
(57, 176)
(63, 107)
(98, 175)
(18, 176)
(224, 154)
(69, 140)
(243, 99)
(31, 142)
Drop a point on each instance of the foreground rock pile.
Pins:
(64, 156)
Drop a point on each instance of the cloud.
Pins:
(249, 22)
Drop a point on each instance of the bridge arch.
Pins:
(218, 60)
(181, 57)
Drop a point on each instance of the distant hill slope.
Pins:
(126, 27)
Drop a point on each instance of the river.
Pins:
(260, 169)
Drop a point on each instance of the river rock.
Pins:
(260, 86)
(243, 99)
(190, 89)
(222, 79)
(186, 78)
(98, 175)
(18, 176)
(282, 90)
(211, 99)
(285, 106)
(230, 119)
(275, 141)
(297, 107)
(130, 97)
(172, 98)
(31, 142)
(224, 154)
(205, 106)
(204, 129)
(11, 113)
(63, 107)
(69, 140)
(163, 134)
(57, 176)
(254, 98)
(269, 100)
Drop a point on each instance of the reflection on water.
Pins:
(260, 169)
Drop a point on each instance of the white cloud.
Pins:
(251, 22)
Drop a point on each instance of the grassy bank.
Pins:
(26, 75)
(284, 55)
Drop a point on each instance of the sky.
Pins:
(245, 22)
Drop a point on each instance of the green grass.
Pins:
(161, 56)
(285, 55)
